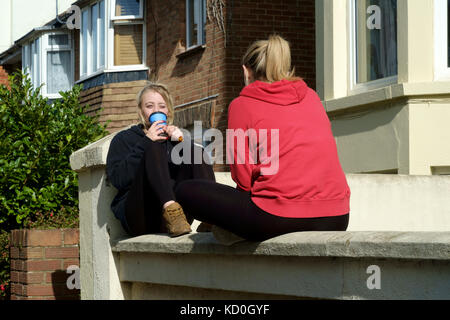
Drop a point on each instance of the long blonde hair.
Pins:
(270, 60)
(164, 92)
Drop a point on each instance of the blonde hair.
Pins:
(164, 92)
(270, 60)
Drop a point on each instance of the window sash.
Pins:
(104, 51)
(35, 58)
(58, 81)
(356, 87)
(92, 39)
(195, 15)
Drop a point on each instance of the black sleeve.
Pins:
(123, 160)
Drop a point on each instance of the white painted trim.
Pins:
(90, 67)
(356, 88)
(45, 48)
(441, 68)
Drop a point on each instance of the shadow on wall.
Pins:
(59, 279)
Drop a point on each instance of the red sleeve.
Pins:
(241, 163)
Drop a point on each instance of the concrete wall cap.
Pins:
(394, 245)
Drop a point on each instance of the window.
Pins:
(128, 9)
(442, 39)
(49, 60)
(58, 54)
(113, 41)
(129, 35)
(31, 61)
(93, 31)
(195, 23)
(374, 41)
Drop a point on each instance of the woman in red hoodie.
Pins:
(282, 154)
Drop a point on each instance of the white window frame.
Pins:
(37, 66)
(129, 17)
(110, 21)
(200, 34)
(354, 87)
(90, 68)
(441, 68)
(45, 48)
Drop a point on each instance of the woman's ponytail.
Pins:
(270, 60)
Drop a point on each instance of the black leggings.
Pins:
(154, 185)
(193, 186)
(234, 210)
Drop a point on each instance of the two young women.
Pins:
(308, 192)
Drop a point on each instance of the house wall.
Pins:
(21, 16)
(397, 127)
(214, 71)
(204, 80)
(3, 76)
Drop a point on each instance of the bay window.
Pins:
(58, 61)
(374, 42)
(112, 36)
(49, 61)
(93, 30)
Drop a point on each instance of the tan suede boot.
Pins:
(174, 220)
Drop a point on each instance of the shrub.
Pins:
(37, 186)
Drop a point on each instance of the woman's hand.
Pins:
(174, 133)
(153, 133)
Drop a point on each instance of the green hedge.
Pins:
(38, 189)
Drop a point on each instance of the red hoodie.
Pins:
(308, 180)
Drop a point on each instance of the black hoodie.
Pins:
(123, 160)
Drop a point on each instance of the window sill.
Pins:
(390, 92)
(191, 50)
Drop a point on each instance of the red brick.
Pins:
(47, 290)
(66, 252)
(71, 236)
(31, 277)
(14, 253)
(44, 238)
(31, 253)
(42, 265)
(18, 265)
(17, 289)
(14, 276)
(70, 262)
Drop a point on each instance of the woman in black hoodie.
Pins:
(140, 167)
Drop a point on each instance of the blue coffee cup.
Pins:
(157, 116)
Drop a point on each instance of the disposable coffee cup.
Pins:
(158, 116)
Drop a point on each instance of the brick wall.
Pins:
(252, 20)
(118, 101)
(39, 260)
(216, 68)
(3, 76)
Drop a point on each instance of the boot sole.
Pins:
(174, 235)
